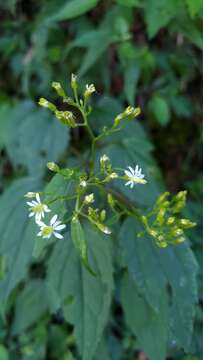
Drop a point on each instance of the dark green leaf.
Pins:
(29, 306)
(149, 326)
(160, 109)
(32, 137)
(18, 234)
(92, 295)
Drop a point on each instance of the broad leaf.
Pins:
(29, 306)
(149, 326)
(33, 137)
(89, 309)
(154, 269)
(18, 234)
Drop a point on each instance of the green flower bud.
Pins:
(46, 104)
(90, 89)
(186, 223)
(57, 86)
(103, 215)
(74, 83)
(53, 167)
(66, 117)
(170, 220)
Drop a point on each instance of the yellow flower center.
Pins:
(47, 230)
(38, 208)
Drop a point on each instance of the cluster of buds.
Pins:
(97, 218)
(163, 223)
(66, 117)
(130, 113)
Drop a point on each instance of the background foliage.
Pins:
(146, 53)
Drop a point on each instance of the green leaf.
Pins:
(149, 326)
(130, 3)
(158, 14)
(4, 112)
(89, 311)
(4, 354)
(18, 234)
(160, 109)
(150, 269)
(194, 6)
(73, 9)
(79, 241)
(29, 306)
(93, 53)
(33, 137)
(131, 78)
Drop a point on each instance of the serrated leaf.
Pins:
(150, 268)
(80, 243)
(160, 109)
(33, 137)
(18, 234)
(194, 6)
(73, 9)
(92, 295)
(149, 326)
(29, 307)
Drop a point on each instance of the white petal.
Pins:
(39, 233)
(53, 219)
(29, 203)
(128, 183)
(31, 214)
(57, 223)
(41, 224)
(59, 236)
(132, 184)
(131, 170)
(128, 173)
(42, 213)
(60, 227)
(136, 168)
(38, 198)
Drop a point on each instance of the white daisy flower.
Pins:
(134, 176)
(37, 208)
(54, 226)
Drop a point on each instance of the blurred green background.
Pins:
(145, 53)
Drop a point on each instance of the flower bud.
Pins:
(66, 117)
(89, 199)
(186, 224)
(74, 83)
(53, 167)
(104, 229)
(90, 89)
(57, 86)
(30, 195)
(46, 104)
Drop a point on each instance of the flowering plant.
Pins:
(98, 179)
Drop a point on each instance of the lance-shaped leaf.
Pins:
(91, 296)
